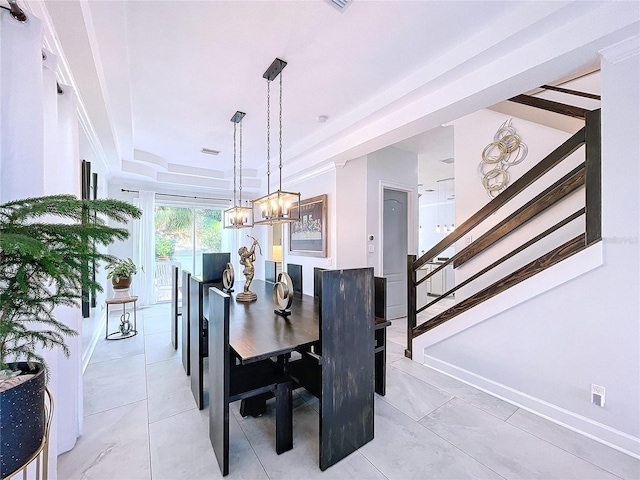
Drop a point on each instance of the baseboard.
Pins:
(97, 334)
(578, 423)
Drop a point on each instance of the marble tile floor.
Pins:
(141, 422)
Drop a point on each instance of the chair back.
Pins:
(270, 271)
(186, 317)
(380, 293)
(213, 265)
(175, 307)
(219, 375)
(347, 339)
(295, 272)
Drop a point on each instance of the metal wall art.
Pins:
(506, 150)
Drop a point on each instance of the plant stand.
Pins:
(126, 329)
(41, 455)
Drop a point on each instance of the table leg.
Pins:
(255, 406)
(284, 418)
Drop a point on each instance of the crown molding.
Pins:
(622, 51)
(65, 76)
(315, 172)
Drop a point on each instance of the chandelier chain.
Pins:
(280, 120)
(268, 135)
(240, 164)
(234, 164)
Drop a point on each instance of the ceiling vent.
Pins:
(340, 4)
(208, 151)
(448, 161)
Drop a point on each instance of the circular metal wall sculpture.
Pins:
(228, 278)
(283, 294)
(506, 150)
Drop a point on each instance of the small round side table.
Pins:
(126, 329)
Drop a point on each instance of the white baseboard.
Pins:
(97, 334)
(597, 431)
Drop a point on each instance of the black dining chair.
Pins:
(186, 319)
(340, 371)
(295, 273)
(175, 306)
(230, 382)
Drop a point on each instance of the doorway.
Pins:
(395, 250)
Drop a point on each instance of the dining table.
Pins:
(256, 332)
(336, 352)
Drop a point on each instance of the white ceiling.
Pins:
(160, 80)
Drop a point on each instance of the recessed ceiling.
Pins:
(160, 80)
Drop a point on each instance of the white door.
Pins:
(394, 251)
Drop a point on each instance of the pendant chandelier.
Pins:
(238, 216)
(279, 206)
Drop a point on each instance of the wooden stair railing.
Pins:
(585, 175)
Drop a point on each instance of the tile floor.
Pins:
(141, 422)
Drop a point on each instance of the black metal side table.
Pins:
(126, 329)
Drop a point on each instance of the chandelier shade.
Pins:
(275, 207)
(238, 216)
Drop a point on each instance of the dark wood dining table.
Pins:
(345, 364)
(257, 333)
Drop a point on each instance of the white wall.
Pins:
(92, 326)
(390, 167)
(351, 202)
(545, 354)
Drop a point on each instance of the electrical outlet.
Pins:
(597, 395)
(468, 239)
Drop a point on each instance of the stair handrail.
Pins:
(590, 172)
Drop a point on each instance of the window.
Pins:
(183, 234)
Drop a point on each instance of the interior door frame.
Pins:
(412, 221)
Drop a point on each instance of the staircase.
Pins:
(546, 217)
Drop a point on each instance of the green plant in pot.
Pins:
(47, 250)
(120, 271)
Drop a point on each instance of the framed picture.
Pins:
(308, 236)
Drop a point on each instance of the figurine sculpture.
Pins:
(247, 257)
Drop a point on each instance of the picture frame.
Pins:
(308, 236)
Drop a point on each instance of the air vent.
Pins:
(340, 4)
(448, 161)
(208, 151)
(429, 190)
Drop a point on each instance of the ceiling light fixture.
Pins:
(276, 207)
(238, 216)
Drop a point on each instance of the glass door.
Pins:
(207, 235)
(183, 234)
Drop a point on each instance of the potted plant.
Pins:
(47, 249)
(120, 271)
